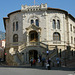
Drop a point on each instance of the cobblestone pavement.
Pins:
(35, 71)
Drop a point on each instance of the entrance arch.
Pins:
(33, 36)
(33, 54)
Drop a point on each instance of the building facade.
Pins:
(34, 30)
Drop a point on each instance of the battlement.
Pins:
(34, 7)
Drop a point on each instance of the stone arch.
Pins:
(32, 17)
(33, 36)
(56, 36)
(33, 54)
(55, 17)
(15, 18)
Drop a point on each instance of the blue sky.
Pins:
(7, 6)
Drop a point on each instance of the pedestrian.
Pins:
(31, 61)
(49, 62)
(43, 61)
(38, 60)
(34, 62)
(57, 63)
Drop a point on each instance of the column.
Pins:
(38, 36)
(27, 39)
(27, 57)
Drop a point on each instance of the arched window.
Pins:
(33, 36)
(32, 21)
(56, 36)
(58, 24)
(54, 24)
(37, 22)
(15, 38)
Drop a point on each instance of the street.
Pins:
(33, 71)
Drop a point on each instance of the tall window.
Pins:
(74, 40)
(15, 38)
(74, 29)
(58, 24)
(32, 21)
(16, 25)
(71, 27)
(13, 26)
(37, 22)
(54, 24)
(56, 36)
(71, 40)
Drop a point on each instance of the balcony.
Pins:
(56, 42)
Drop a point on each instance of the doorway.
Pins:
(33, 36)
(33, 54)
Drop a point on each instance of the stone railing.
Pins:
(56, 42)
(33, 43)
(53, 53)
(37, 44)
(21, 47)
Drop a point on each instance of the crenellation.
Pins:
(34, 7)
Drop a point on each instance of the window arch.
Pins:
(56, 36)
(54, 24)
(15, 38)
(58, 24)
(37, 22)
(32, 21)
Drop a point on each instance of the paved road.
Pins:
(34, 71)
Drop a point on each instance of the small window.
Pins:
(15, 38)
(32, 21)
(54, 24)
(58, 24)
(56, 36)
(74, 40)
(71, 27)
(13, 26)
(37, 22)
(16, 25)
(71, 40)
(74, 29)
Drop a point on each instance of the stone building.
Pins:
(35, 30)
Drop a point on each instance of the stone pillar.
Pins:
(27, 39)
(27, 57)
(39, 36)
(22, 58)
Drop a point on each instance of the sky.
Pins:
(8, 6)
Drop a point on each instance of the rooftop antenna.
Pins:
(34, 2)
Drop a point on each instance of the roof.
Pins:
(57, 9)
(13, 12)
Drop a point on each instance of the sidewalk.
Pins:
(39, 67)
